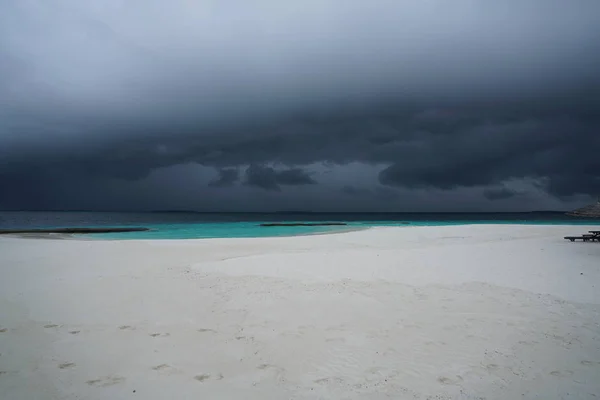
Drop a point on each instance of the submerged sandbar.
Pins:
(72, 230)
(304, 224)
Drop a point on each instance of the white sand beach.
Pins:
(457, 312)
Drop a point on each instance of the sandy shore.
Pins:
(461, 312)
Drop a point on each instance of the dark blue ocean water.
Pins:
(187, 225)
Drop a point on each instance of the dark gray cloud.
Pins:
(227, 177)
(379, 193)
(270, 179)
(355, 191)
(436, 96)
(558, 149)
(499, 193)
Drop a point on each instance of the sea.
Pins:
(199, 225)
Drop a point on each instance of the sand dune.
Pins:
(462, 312)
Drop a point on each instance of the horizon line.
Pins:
(291, 212)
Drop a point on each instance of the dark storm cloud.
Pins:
(270, 179)
(439, 95)
(378, 193)
(355, 191)
(562, 151)
(500, 193)
(227, 177)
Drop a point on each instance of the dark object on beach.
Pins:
(591, 211)
(304, 224)
(592, 236)
(72, 230)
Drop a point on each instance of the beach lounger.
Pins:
(585, 238)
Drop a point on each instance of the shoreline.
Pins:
(345, 229)
(65, 236)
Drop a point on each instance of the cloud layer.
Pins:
(437, 96)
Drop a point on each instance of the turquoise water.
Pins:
(252, 229)
(186, 225)
(220, 230)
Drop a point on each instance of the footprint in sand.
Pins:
(589, 363)
(160, 334)
(66, 365)
(273, 370)
(246, 338)
(492, 367)
(166, 369)
(126, 327)
(329, 380)
(106, 381)
(449, 381)
(205, 377)
(202, 378)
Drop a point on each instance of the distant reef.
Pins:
(304, 224)
(72, 230)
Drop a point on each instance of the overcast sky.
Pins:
(324, 105)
